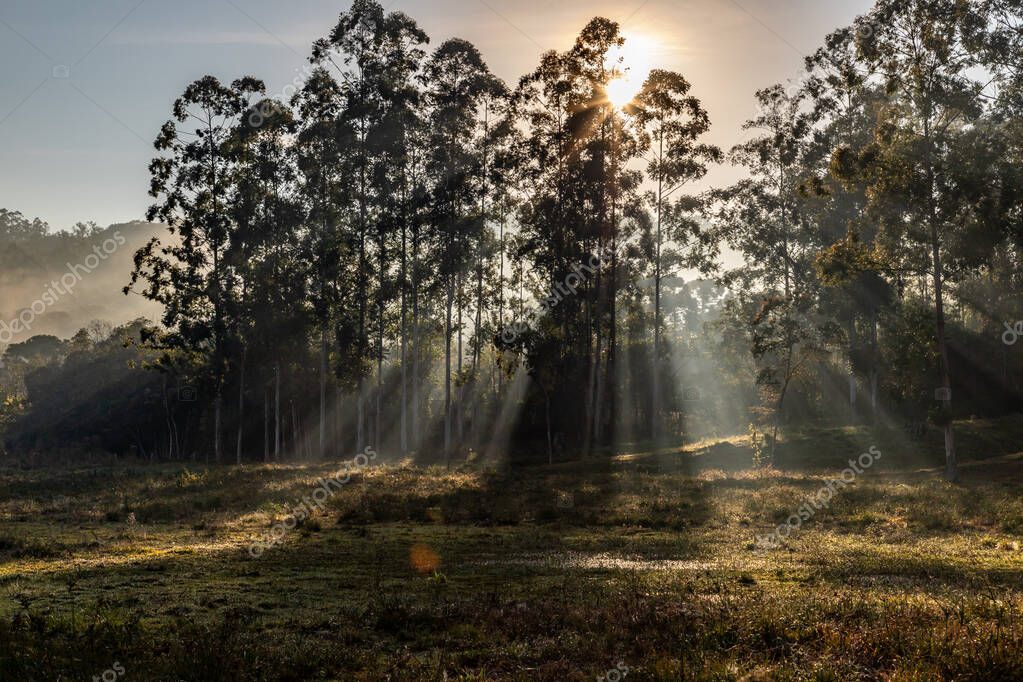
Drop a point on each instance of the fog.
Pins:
(58, 283)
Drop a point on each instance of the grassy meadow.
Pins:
(641, 566)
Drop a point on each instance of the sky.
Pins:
(86, 84)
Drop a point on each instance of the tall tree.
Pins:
(191, 181)
(266, 251)
(671, 123)
(918, 48)
(457, 81)
(322, 154)
(402, 53)
(759, 219)
(353, 48)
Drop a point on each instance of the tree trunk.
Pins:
(873, 365)
(781, 403)
(852, 371)
(277, 412)
(382, 275)
(218, 404)
(612, 304)
(416, 436)
(547, 414)
(598, 400)
(360, 442)
(459, 419)
(593, 434)
(363, 279)
(241, 408)
(296, 446)
(339, 423)
(655, 377)
(590, 380)
(447, 374)
(380, 374)
(500, 302)
(951, 465)
(323, 393)
(480, 247)
(170, 423)
(404, 344)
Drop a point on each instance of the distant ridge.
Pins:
(31, 265)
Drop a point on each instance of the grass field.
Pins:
(644, 566)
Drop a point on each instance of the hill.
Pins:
(57, 282)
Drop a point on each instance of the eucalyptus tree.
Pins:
(556, 225)
(494, 135)
(605, 151)
(576, 185)
(997, 35)
(417, 278)
(671, 122)
(918, 48)
(354, 50)
(492, 141)
(488, 138)
(759, 217)
(401, 56)
(844, 105)
(322, 152)
(265, 252)
(504, 273)
(547, 159)
(192, 184)
(552, 231)
(457, 81)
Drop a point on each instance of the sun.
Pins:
(622, 90)
(629, 65)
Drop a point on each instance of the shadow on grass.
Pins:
(929, 574)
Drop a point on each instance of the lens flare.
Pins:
(423, 559)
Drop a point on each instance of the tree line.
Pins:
(351, 264)
(373, 235)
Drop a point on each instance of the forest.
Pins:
(490, 293)
(402, 250)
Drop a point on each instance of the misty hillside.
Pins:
(56, 282)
